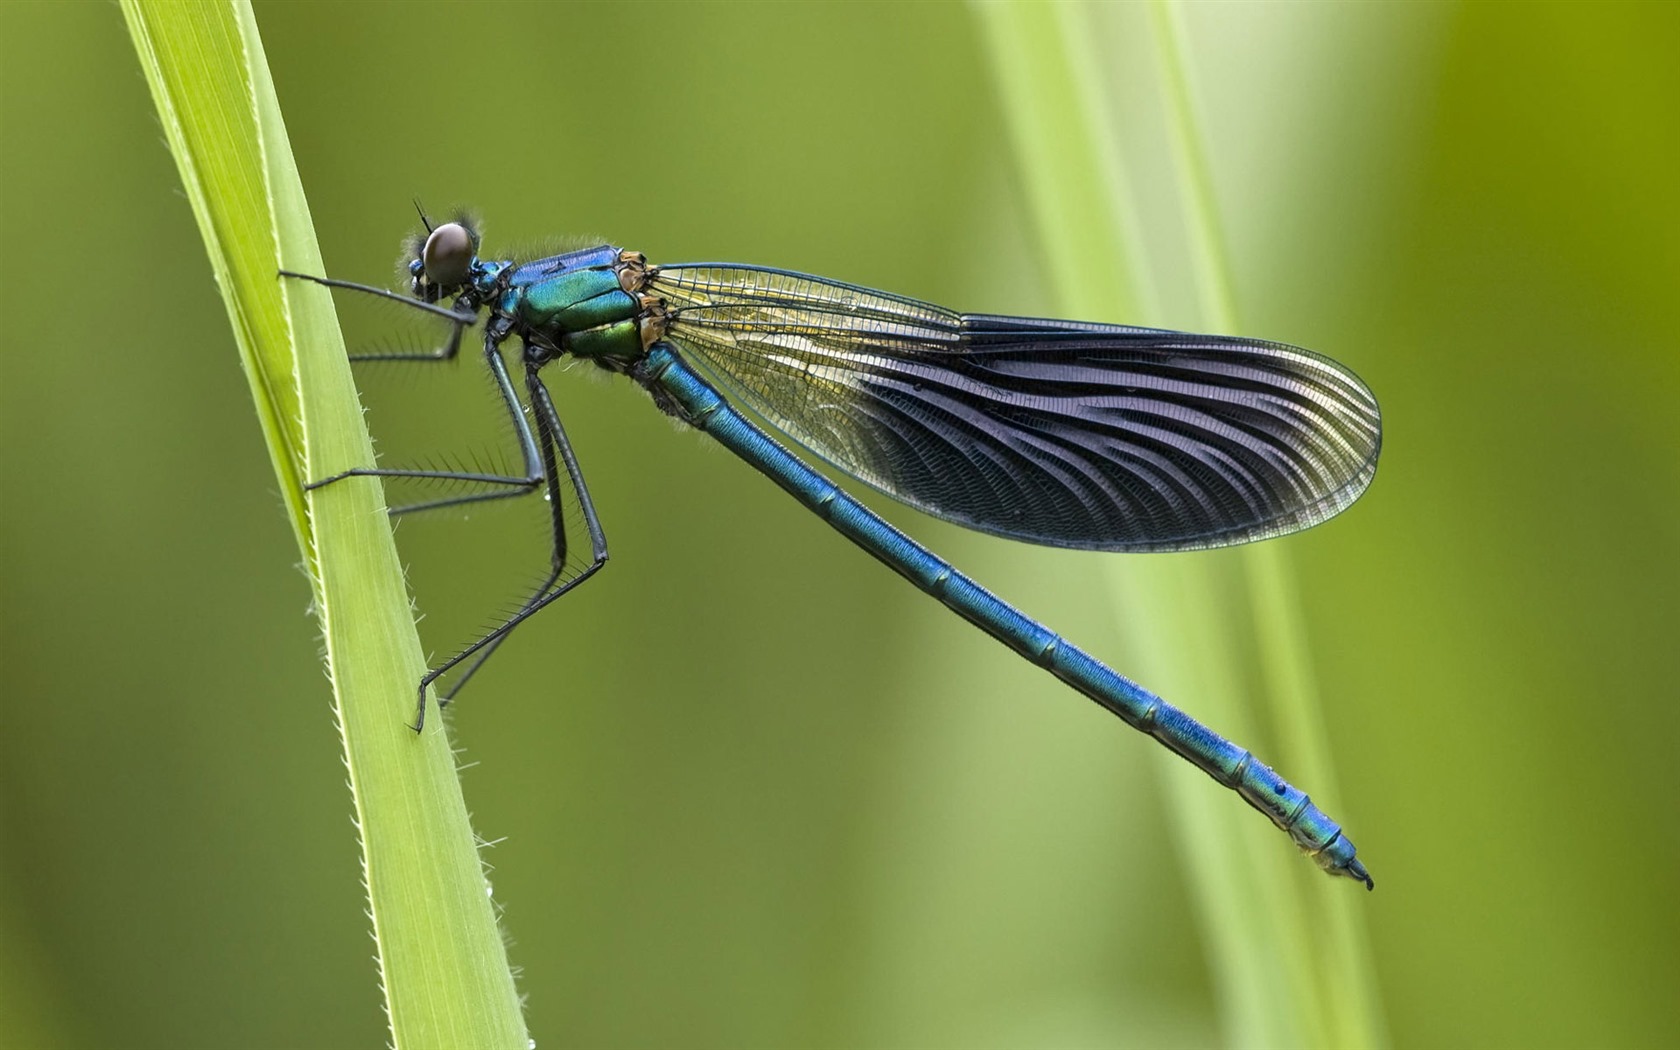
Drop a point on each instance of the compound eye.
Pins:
(447, 256)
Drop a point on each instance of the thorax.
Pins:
(586, 303)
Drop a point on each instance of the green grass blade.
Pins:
(1339, 963)
(1278, 932)
(443, 966)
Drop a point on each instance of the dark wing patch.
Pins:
(1103, 437)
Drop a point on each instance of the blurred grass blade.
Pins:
(1275, 927)
(443, 966)
(1063, 136)
(1338, 960)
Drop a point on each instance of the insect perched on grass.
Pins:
(1092, 436)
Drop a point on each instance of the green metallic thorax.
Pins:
(577, 304)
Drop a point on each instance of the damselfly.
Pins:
(1092, 436)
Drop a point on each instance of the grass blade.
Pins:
(1339, 962)
(443, 967)
(1285, 948)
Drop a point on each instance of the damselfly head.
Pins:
(444, 262)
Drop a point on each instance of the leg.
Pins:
(511, 485)
(459, 322)
(540, 468)
(557, 559)
(552, 437)
(460, 317)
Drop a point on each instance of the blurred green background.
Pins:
(861, 823)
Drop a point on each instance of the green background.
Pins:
(834, 814)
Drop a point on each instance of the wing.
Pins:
(1101, 437)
